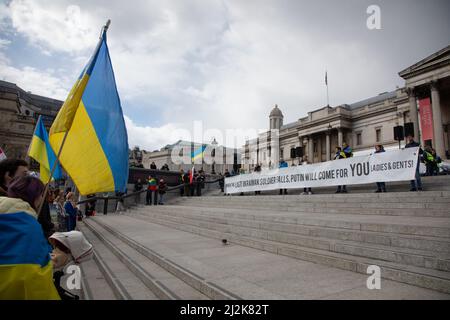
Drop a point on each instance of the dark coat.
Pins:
(45, 220)
(162, 187)
(138, 186)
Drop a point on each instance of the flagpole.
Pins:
(328, 98)
(326, 82)
(104, 29)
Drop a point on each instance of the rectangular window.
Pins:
(378, 135)
(358, 139)
(281, 153)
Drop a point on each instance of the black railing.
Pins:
(135, 193)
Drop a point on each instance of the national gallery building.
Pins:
(423, 104)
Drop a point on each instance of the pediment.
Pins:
(434, 61)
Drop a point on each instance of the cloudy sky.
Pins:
(223, 62)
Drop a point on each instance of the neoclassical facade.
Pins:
(19, 112)
(364, 123)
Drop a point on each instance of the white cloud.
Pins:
(149, 138)
(226, 63)
(42, 82)
(53, 25)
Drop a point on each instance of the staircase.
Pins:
(406, 234)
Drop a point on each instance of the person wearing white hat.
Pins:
(69, 248)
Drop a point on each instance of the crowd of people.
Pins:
(33, 249)
(191, 186)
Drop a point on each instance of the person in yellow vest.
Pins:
(429, 161)
(152, 188)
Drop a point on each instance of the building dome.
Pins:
(276, 118)
(276, 112)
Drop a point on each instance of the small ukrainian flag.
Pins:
(41, 151)
(198, 153)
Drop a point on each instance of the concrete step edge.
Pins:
(291, 218)
(159, 290)
(342, 261)
(205, 287)
(236, 222)
(426, 261)
(117, 287)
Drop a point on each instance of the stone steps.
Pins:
(161, 282)
(426, 243)
(413, 226)
(213, 284)
(431, 205)
(418, 276)
(165, 278)
(124, 283)
(430, 253)
(93, 283)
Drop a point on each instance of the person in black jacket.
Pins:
(221, 182)
(138, 186)
(340, 155)
(187, 184)
(90, 206)
(257, 169)
(200, 182)
(162, 189)
(417, 183)
(381, 186)
(181, 182)
(44, 217)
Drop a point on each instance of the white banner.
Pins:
(397, 165)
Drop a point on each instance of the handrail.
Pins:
(177, 187)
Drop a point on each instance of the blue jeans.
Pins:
(417, 183)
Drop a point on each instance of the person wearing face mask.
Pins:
(26, 270)
(69, 248)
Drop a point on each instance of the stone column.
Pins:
(310, 149)
(340, 137)
(413, 114)
(328, 147)
(438, 131)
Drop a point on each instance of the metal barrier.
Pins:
(106, 199)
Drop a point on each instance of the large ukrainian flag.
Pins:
(41, 151)
(26, 271)
(95, 153)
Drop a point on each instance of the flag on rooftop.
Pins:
(198, 153)
(95, 153)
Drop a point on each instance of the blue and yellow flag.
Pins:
(198, 153)
(41, 151)
(26, 271)
(95, 153)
